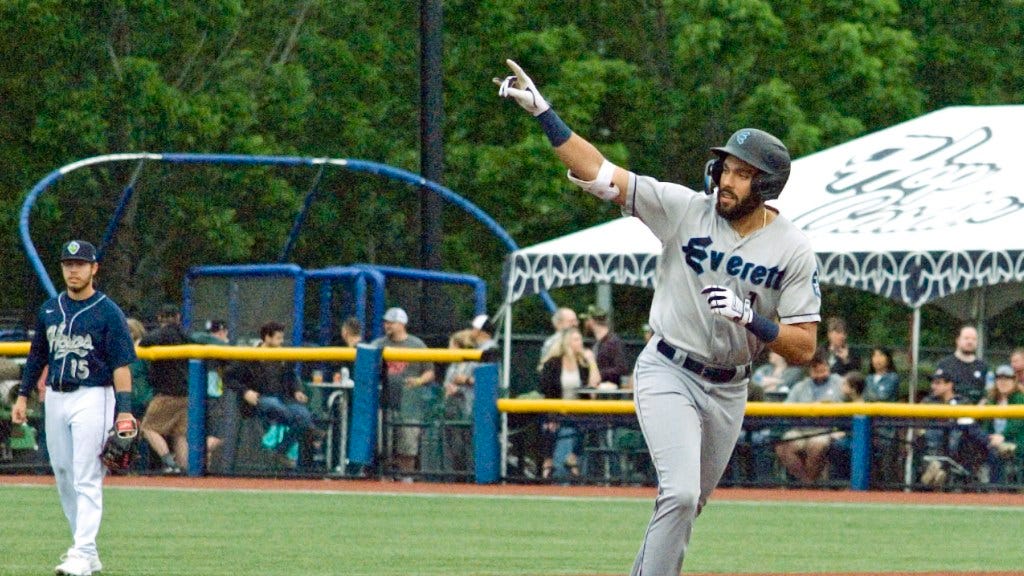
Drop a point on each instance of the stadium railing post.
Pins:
(860, 453)
(486, 425)
(196, 431)
(365, 404)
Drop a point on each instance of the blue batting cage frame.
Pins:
(141, 158)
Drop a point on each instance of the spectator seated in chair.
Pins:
(270, 389)
(959, 448)
(1005, 435)
(804, 451)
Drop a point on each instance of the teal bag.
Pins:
(275, 435)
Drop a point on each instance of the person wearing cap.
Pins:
(215, 333)
(483, 335)
(1005, 435)
(609, 349)
(166, 417)
(82, 342)
(961, 442)
(402, 395)
(734, 277)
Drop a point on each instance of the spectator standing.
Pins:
(351, 332)
(840, 358)
(803, 450)
(166, 417)
(1005, 435)
(1017, 363)
(483, 335)
(964, 367)
(403, 396)
(882, 383)
(567, 368)
(271, 389)
(458, 405)
(215, 334)
(141, 392)
(608, 348)
(562, 318)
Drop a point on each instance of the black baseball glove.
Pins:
(121, 447)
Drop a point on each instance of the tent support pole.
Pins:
(915, 350)
(506, 364)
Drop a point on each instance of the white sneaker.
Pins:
(95, 565)
(74, 565)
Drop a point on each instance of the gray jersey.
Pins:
(774, 267)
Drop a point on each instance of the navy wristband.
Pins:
(554, 128)
(763, 328)
(122, 402)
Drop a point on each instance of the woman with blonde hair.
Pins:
(141, 392)
(458, 405)
(566, 368)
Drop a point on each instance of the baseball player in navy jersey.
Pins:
(734, 277)
(82, 337)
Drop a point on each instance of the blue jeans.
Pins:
(566, 442)
(296, 416)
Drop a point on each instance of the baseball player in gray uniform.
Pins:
(734, 276)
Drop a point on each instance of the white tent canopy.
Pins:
(919, 211)
(622, 251)
(930, 210)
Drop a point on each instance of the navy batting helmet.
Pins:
(762, 151)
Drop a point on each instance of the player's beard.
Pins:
(81, 285)
(742, 209)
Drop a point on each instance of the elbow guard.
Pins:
(602, 185)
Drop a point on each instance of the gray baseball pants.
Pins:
(691, 426)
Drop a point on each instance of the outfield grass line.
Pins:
(425, 495)
(899, 505)
(555, 498)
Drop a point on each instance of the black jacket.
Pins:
(268, 378)
(168, 377)
(551, 377)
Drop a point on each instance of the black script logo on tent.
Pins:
(918, 182)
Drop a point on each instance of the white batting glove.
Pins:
(725, 303)
(520, 88)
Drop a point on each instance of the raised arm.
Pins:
(588, 168)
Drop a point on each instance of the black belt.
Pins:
(711, 373)
(64, 386)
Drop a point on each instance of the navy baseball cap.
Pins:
(78, 250)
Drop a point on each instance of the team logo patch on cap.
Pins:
(73, 247)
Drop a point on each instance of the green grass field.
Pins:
(210, 533)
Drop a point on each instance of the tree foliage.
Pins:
(653, 83)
